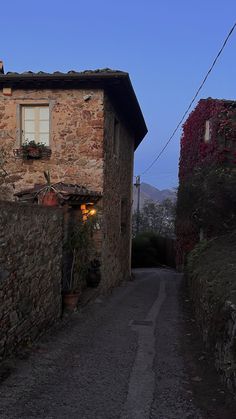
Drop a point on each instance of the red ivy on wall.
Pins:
(196, 154)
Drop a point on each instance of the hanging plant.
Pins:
(32, 151)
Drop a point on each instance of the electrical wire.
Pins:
(192, 101)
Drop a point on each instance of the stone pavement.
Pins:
(122, 356)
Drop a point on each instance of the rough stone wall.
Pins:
(118, 176)
(226, 345)
(218, 332)
(81, 140)
(211, 276)
(76, 138)
(30, 272)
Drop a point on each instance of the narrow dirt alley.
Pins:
(132, 355)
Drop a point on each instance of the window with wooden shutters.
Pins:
(35, 124)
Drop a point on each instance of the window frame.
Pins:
(36, 122)
(31, 103)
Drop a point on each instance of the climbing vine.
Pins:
(207, 174)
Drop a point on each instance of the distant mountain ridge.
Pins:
(150, 193)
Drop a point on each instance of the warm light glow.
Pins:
(86, 211)
(92, 211)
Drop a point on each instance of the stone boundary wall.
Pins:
(225, 347)
(211, 279)
(219, 335)
(30, 272)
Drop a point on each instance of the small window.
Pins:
(35, 124)
(116, 137)
(207, 136)
(123, 215)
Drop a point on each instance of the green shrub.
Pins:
(150, 250)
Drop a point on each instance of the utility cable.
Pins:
(192, 101)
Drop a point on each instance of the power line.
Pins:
(195, 96)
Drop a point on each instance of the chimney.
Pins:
(1, 67)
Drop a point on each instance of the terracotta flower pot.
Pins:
(49, 199)
(70, 300)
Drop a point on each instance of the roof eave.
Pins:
(116, 83)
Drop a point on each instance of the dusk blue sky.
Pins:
(166, 46)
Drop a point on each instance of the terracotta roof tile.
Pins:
(74, 72)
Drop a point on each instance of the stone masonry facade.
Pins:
(92, 143)
(117, 201)
(76, 138)
(30, 272)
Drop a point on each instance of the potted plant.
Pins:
(94, 274)
(48, 195)
(78, 248)
(32, 150)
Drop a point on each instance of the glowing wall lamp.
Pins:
(87, 210)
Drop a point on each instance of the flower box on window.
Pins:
(32, 150)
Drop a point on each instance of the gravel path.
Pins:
(120, 357)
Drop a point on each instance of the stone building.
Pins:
(206, 199)
(90, 124)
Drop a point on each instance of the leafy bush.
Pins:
(151, 250)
